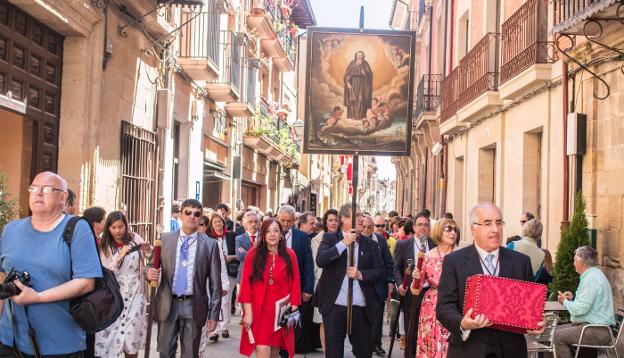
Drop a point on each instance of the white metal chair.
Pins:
(613, 342)
(544, 342)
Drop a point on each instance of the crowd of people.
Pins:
(293, 276)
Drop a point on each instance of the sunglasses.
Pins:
(192, 212)
(380, 225)
(449, 228)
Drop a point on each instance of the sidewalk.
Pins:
(229, 347)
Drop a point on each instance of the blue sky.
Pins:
(346, 13)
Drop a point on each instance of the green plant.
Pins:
(7, 204)
(565, 277)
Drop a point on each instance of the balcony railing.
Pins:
(197, 38)
(449, 93)
(570, 12)
(525, 39)
(288, 43)
(230, 51)
(265, 123)
(251, 79)
(479, 69)
(427, 94)
(272, 9)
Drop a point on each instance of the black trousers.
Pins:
(335, 323)
(8, 352)
(412, 341)
(377, 326)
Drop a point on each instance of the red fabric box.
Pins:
(512, 305)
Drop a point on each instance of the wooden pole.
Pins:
(356, 164)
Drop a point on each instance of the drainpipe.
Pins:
(444, 175)
(451, 36)
(446, 10)
(566, 168)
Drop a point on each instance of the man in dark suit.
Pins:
(470, 337)
(183, 304)
(299, 242)
(245, 241)
(383, 287)
(405, 250)
(332, 288)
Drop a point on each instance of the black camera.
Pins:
(8, 288)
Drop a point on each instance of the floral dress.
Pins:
(431, 335)
(127, 334)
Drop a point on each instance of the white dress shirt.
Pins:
(358, 295)
(417, 248)
(496, 262)
(289, 235)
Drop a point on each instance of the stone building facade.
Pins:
(137, 103)
(495, 119)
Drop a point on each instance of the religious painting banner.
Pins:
(359, 91)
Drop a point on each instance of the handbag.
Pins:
(290, 318)
(232, 268)
(101, 307)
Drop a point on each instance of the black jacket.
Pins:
(456, 268)
(334, 267)
(403, 251)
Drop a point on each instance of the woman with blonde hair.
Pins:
(431, 334)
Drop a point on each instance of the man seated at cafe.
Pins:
(592, 304)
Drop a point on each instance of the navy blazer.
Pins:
(301, 245)
(334, 267)
(381, 286)
(242, 241)
(456, 268)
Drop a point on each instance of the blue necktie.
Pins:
(179, 285)
(490, 265)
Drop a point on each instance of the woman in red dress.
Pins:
(270, 273)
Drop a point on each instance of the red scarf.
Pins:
(215, 235)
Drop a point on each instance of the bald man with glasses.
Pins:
(58, 274)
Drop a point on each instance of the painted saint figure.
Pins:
(358, 89)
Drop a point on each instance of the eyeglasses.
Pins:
(193, 212)
(46, 189)
(497, 223)
(202, 225)
(422, 224)
(449, 228)
(380, 225)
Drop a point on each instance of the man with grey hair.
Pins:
(300, 243)
(245, 241)
(593, 304)
(332, 289)
(58, 274)
(472, 337)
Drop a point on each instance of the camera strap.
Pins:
(32, 335)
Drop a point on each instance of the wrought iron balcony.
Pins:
(449, 93)
(479, 70)
(199, 44)
(285, 61)
(427, 94)
(246, 104)
(263, 131)
(263, 16)
(570, 15)
(227, 87)
(525, 40)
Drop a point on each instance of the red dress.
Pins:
(262, 297)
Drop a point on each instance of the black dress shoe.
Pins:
(214, 338)
(380, 351)
(225, 334)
